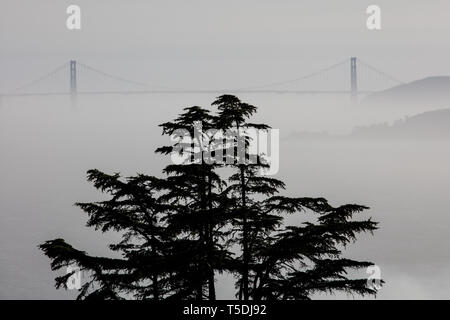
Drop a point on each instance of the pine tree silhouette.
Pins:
(180, 230)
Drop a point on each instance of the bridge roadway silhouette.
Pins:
(272, 88)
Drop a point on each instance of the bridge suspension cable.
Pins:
(42, 78)
(119, 78)
(308, 76)
(318, 76)
(384, 74)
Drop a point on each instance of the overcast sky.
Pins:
(216, 43)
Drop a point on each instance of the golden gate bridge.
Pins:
(345, 76)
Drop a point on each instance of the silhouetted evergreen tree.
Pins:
(179, 231)
(134, 210)
(198, 191)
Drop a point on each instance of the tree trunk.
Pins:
(211, 284)
(245, 252)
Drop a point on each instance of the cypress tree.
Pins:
(178, 231)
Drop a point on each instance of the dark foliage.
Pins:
(179, 231)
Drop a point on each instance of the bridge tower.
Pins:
(353, 80)
(73, 79)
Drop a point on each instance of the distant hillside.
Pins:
(432, 91)
(431, 124)
(427, 125)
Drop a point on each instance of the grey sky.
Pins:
(219, 44)
(215, 43)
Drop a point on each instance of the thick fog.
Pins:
(48, 143)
